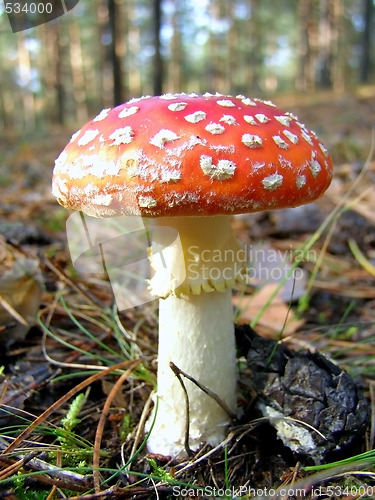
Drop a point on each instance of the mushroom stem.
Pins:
(196, 331)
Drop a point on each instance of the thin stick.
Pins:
(24, 434)
(16, 466)
(178, 374)
(101, 423)
(49, 474)
(140, 428)
(10, 309)
(205, 389)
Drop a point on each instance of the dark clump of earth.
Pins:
(317, 409)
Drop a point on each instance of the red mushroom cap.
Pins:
(180, 154)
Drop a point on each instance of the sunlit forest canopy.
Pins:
(104, 52)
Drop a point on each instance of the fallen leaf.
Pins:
(20, 293)
(272, 320)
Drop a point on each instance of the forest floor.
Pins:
(330, 310)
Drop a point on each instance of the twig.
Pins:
(24, 434)
(205, 389)
(61, 478)
(191, 464)
(14, 466)
(54, 487)
(65, 278)
(140, 427)
(100, 427)
(10, 309)
(110, 493)
(236, 433)
(178, 374)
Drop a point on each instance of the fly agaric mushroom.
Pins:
(190, 162)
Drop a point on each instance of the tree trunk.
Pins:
(133, 47)
(76, 62)
(366, 62)
(59, 86)
(308, 45)
(217, 46)
(116, 50)
(257, 48)
(27, 97)
(176, 62)
(101, 72)
(158, 61)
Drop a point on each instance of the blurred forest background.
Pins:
(104, 52)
